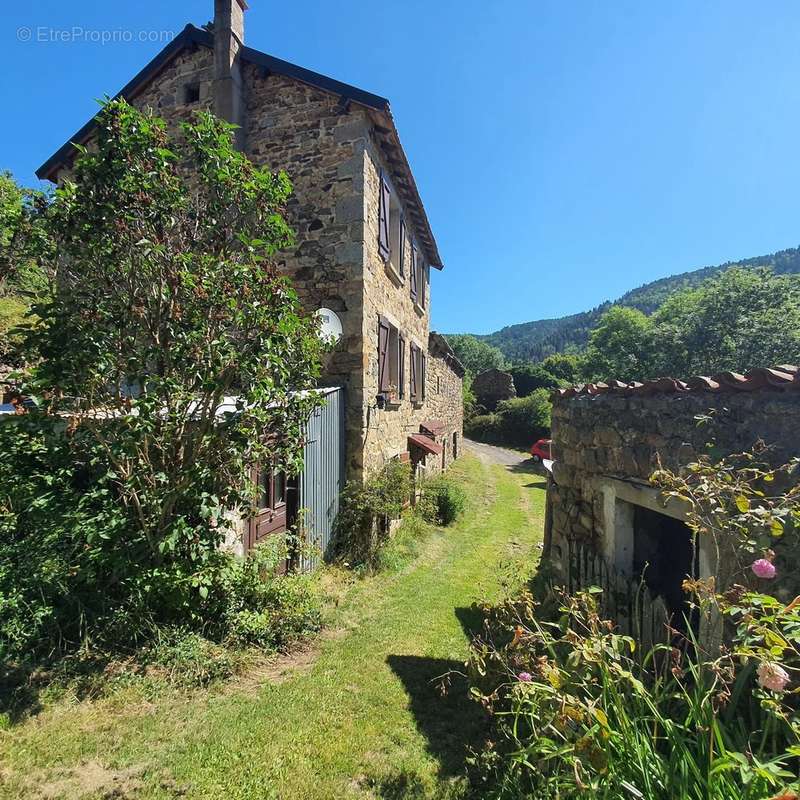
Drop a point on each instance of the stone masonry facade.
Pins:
(334, 151)
(607, 444)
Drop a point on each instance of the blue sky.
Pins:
(566, 151)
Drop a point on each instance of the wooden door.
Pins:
(269, 514)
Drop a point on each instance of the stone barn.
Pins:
(609, 438)
(492, 386)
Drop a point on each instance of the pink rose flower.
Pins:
(772, 676)
(763, 568)
(525, 677)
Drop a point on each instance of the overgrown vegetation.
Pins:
(581, 712)
(167, 357)
(442, 501)
(518, 422)
(366, 510)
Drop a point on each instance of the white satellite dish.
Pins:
(330, 326)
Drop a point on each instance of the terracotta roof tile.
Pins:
(784, 376)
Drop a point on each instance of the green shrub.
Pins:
(518, 422)
(264, 608)
(485, 428)
(442, 501)
(581, 713)
(525, 419)
(186, 658)
(362, 524)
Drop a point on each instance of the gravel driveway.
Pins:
(490, 454)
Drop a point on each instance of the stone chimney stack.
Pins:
(228, 41)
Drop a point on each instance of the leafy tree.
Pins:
(557, 370)
(734, 321)
(618, 346)
(476, 355)
(563, 366)
(176, 353)
(21, 279)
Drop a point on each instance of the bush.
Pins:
(362, 524)
(580, 713)
(442, 501)
(485, 428)
(72, 576)
(518, 422)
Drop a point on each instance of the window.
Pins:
(191, 93)
(391, 229)
(384, 204)
(391, 353)
(418, 366)
(418, 278)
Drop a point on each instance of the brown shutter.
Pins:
(384, 201)
(383, 355)
(414, 269)
(401, 266)
(413, 365)
(401, 367)
(423, 370)
(423, 282)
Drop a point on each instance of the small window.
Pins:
(396, 235)
(191, 93)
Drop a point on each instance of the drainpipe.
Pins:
(228, 41)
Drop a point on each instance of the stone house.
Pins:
(492, 386)
(365, 245)
(609, 438)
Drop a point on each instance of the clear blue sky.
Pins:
(566, 151)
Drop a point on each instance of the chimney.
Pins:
(228, 41)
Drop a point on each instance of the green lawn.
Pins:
(358, 718)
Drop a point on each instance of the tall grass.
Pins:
(580, 713)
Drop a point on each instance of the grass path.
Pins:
(363, 720)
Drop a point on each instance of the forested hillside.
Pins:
(534, 341)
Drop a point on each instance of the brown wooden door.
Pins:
(269, 514)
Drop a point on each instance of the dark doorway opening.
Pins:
(663, 552)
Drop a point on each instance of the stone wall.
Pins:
(606, 447)
(332, 155)
(304, 131)
(492, 386)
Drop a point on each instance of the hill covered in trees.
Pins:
(534, 341)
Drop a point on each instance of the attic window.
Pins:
(191, 93)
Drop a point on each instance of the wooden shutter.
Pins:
(422, 371)
(383, 355)
(384, 202)
(413, 365)
(423, 282)
(414, 269)
(401, 367)
(401, 266)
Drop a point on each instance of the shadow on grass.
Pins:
(406, 786)
(452, 723)
(471, 619)
(22, 686)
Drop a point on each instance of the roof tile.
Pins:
(782, 377)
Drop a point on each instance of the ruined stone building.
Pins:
(365, 245)
(492, 387)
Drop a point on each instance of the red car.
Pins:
(541, 449)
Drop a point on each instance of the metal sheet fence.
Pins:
(322, 478)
